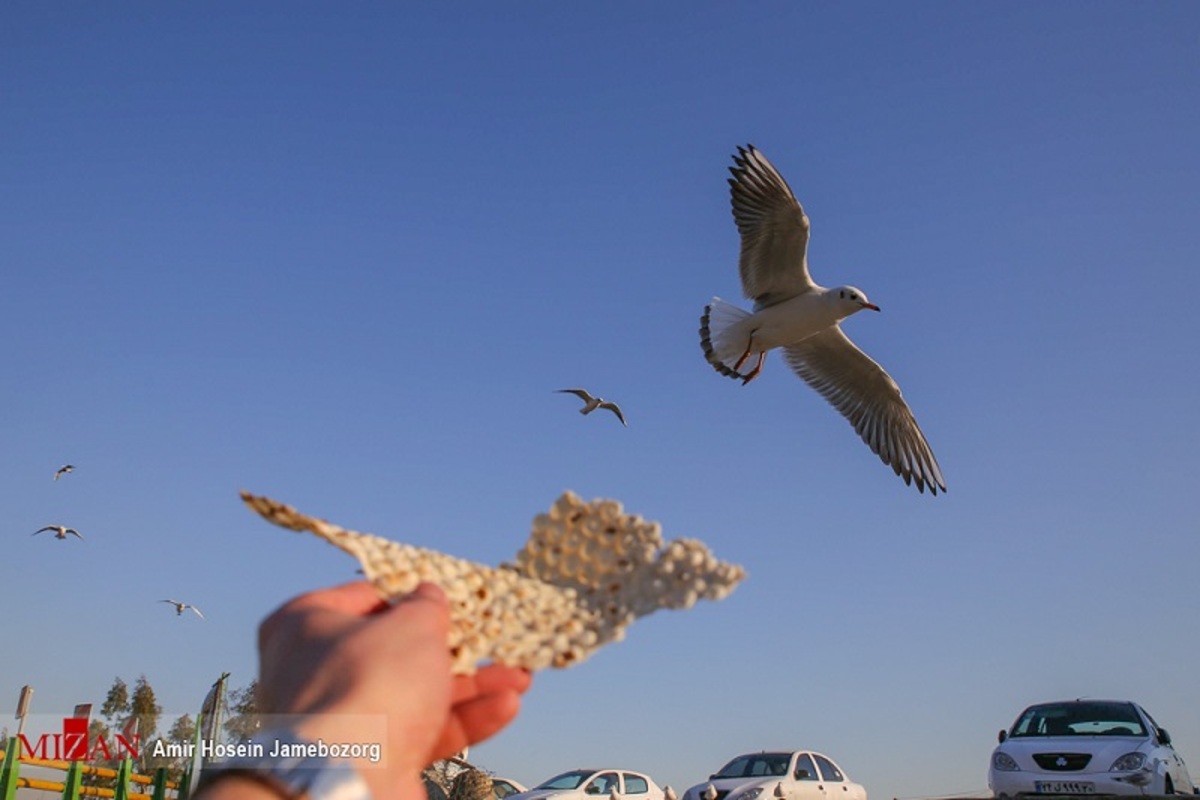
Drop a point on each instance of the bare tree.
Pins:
(116, 703)
(145, 707)
(243, 722)
(182, 732)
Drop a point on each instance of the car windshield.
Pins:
(1080, 718)
(568, 780)
(756, 764)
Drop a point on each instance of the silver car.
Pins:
(594, 784)
(1086, 747)
(778, 775)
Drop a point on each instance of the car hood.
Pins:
(735, 785)
(543, 794)
(1103, 749)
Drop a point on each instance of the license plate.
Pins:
(1064, 787)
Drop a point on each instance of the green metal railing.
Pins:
(72, 788)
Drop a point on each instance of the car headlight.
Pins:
(749, 794)
(1004, 762)
(1128, 762)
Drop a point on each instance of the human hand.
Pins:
(338, 652)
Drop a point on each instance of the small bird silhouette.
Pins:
(63, 470)
(181, 607)
(60, 531)
(591, 403)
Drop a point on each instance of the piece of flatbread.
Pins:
(587, 572)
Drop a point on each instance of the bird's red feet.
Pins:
(754, 372)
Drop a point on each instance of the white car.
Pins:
(505, 787)
(1086, 747)
(588, 784)
(782, 775)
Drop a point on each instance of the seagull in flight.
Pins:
(181, 607)
(591, 403)
(60, 531)
(63, 470)
(794, 313)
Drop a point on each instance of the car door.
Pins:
(804, 782)
(835, 783)
(603, 785)
(635, 787)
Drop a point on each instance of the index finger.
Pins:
(357, 598)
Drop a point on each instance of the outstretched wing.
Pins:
(614, 409)
(773, 263)
(582, 394)
(868, 397)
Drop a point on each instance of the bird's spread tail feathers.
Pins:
(724, 346)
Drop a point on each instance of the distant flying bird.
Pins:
(181, 607)
(591, 403)
(60, 531)
(63, 470)
(793, 312)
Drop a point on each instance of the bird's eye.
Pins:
(853, 297)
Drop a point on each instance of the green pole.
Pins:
(160, 784)
(8, 772)
(185, 784)
(72, 782)
(121, 790)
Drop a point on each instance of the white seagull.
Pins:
(181, 607)
(591, 403)
(793, 312)
(60, 531)
(63, 470)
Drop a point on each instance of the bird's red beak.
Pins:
(871, 306)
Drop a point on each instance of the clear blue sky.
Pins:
(343, 255)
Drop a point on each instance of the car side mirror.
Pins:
(1163, 736)
(802, 775)
(1003, 735)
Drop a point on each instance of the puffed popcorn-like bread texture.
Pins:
(587, 572)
